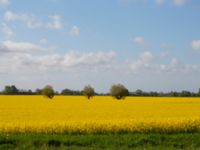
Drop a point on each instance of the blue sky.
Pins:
(143, 44)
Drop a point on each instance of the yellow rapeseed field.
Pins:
(76, 114)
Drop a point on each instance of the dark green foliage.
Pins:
(70, 92)
(38, 91)
(101, 141)
(54, 143)
(88, 91)
(48, 91)
(66, 92)
(139, 92)
(118, 91)
(185, 93)
(12, 90)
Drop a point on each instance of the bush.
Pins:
(88, 91)
(48, 91)
(119, 91)
(10, 90)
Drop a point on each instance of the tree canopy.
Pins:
(88, 91)
(119, 91)
(48, 91)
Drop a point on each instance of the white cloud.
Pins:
(43, 41)
(146, 56)
(29, 20)
(157, 2)
(86, 68)
(75, 31)
(87, 59)
(174, 62)
(33, 22)
(164, 53)
(171, 67)
(139, 40)
(56, 22)
(3, 2)
(138, 66)
(176, 66)
(7, 31)
(52, 62)
(145, 63)
(179, 2)
(10, 16)
(196, 44)
(142, 63)
(10, 46)
(160, 2)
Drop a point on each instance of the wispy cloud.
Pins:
(164, 54)
(19, 47)
(75, 31)
(29, 20)
(179, 2)
(43, 41)
(146, 63)
(32, 21)
(160, 2)
(56, 22)
(69, 61)
(196, 44)
(3, 2)
(166, 45)
(176, 66)
(7, 31)
(157, 2)
(146, 56)
(142, 63)
(139, 40)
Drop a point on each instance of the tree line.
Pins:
(116, 90)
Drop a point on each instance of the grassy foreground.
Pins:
(100, 141)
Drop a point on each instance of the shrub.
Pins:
(118, 91)
(88, 91)
(48, 91)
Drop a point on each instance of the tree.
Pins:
(10, 89)
(139, 92)
(38, 91)
(48, 91)
(88, 91)
(198, 94)
(119, 91)
(185, 93)
(67, 92)
(71, 92)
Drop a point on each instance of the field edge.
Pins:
(100, 141)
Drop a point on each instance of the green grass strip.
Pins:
(100, 141)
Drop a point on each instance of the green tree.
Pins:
(186, 93)
(67, 92)
(10, 89)
(139, 92)
(198, 94)
(119, 91)
(48, 91)
(88, 91)
(38, 91)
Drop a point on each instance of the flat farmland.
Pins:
(101, 114)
